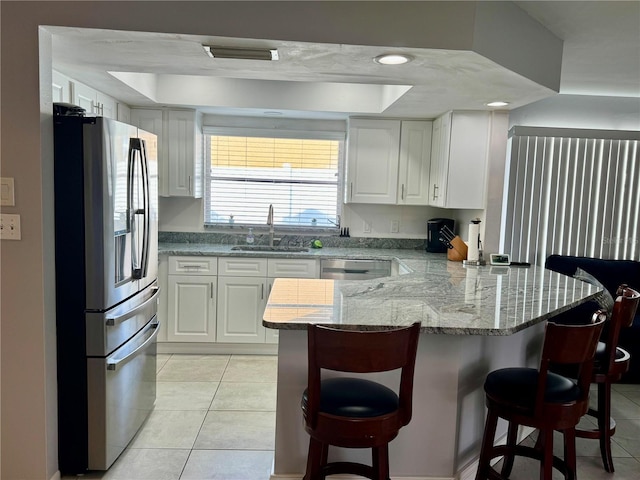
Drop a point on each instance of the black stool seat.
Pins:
(518, 386)
(602, 356)
(355, 397)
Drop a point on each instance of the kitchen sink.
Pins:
(267, 248)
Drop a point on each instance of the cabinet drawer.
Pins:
(193, 265)
(242, 266)
(292, 268)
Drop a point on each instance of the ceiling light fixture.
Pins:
(242, 53)
(497, 104)
(392, 59)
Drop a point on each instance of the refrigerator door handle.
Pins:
(118, 362)
(112, 321)
(146, 238)
(139, 263)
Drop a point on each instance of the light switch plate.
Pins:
(9, 227)
(7, 196)
(366, 226)
(395, 226)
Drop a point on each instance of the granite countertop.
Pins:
(446, 297)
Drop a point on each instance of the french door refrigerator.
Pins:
(106, 217)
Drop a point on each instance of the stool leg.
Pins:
(487, 445)
(315, 458)
(604, 424)
(569, 436)
(380, 457)
(546, 467)
(512, 436)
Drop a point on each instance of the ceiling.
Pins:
(601, 56)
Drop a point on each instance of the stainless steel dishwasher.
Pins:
(342, 269)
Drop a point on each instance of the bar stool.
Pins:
(611, 363)
(356, 412)
(542, 399)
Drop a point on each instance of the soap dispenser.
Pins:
(250, 237)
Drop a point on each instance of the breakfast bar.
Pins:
(474, 320)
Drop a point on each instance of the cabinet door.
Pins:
(183, 152)
(241, 304)
(151, 120)
(85, 97)
(468, 150)
(107, 106)
(439, 160)
(372, 161)
(123, 113)
(60, 87)
(192, 308)
(415, 155)
(271, 334)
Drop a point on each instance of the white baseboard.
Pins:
(56, 476)
(218, 348)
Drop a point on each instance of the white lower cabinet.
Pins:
(192, 308)
(242, 297)
(191, 299)
(222, 300)
(241, 303)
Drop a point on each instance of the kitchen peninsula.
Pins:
(474, 320)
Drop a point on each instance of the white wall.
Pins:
(579, 111)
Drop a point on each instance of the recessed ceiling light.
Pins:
(241, 53)
(392, 59)
(497, 104)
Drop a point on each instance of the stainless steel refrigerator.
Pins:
(106, 230)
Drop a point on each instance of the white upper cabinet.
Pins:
(459, 155)
(151, 120)
(388, 162)
(184, 131)
(415, 155)
(372, 161)
(61, 87)
(93, 101)
(180, 148)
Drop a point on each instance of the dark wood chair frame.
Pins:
(357, 352)
(563, 344)
(608, 369)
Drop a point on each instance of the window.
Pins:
(295, 172)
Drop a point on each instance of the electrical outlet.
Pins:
(9, 226)
(395, 226)
(366, 227)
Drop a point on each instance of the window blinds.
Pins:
(298, 176)
(572, 192)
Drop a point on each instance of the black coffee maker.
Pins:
(434, 245)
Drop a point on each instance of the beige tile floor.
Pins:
(214, 419)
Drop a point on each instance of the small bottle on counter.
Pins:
(250, 237)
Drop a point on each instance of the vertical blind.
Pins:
(572, 192)
(298, 176)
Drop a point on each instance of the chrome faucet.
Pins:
(270, 223)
